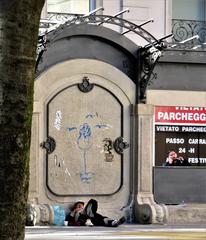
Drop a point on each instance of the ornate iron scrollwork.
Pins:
(120, 145)
(149, 58)
(184, 29)
(49, 145)
(85, 86)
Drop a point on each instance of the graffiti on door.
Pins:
(85, 141)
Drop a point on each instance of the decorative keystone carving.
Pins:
(85, 86)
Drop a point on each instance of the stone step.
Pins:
(186, 213)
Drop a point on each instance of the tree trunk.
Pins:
(19, 23)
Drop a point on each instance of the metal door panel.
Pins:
(84, 126)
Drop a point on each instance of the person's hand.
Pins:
(181, 159)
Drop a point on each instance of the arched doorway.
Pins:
(82, 115)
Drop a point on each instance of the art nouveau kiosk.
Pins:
(91, 135)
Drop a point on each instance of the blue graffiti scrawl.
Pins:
(84, 132)
(71, 129)
(85, 143)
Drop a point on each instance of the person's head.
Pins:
(173, 155)
(79, 205)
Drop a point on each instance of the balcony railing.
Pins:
(184, 29)
(54, 18)
(62, 16)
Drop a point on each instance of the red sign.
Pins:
(180, 115)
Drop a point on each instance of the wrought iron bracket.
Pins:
(149, 57)
(120, 145)
(85, 86)
(49, 145)
(41, 48)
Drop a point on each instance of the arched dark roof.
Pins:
(95, 31)
(90, 42)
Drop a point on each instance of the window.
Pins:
(188, 20)
(70, 6)
(189, 9)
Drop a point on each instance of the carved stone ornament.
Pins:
(49, 145)
(44, 215)
(108, 150)
(120, 145)
(85, 86)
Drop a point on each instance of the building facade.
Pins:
(95, 132)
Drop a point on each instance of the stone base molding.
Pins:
(148, 211)
(39, 214)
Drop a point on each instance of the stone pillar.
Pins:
(35, 155)
(146, 210)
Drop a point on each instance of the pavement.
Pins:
(125, 231)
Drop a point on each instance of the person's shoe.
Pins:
(91, 208)
(116, 223)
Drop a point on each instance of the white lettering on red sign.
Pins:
(190, 115)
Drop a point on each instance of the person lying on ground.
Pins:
(79, 215)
